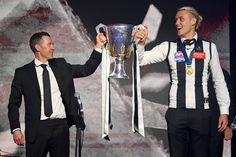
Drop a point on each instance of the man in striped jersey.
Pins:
(190, 60)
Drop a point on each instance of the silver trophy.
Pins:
(120, 45)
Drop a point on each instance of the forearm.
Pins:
(13, 116)
(156, 54)
(222, 93)
(15, 100)
(89, 67)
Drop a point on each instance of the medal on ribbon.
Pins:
(189, 70)
(188, 60)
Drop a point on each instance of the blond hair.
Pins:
(193, 12)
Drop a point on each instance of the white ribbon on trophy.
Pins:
(137, 109)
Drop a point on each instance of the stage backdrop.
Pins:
(71, 24)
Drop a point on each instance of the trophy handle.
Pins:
(101, 28)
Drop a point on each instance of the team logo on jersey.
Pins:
(199, 55)
(179, 56)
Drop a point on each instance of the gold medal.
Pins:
(189, 70)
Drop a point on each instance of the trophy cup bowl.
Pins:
(120, 46)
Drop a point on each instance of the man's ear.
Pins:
(194, 21)
(37, 47)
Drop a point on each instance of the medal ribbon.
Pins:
(188, 60)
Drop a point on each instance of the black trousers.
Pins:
(52, 138)
(188, 132)
(217, 138)
(217, 145)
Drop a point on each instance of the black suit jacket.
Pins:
(25, 83)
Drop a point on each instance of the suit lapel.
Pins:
(33, 75)
(58, 74)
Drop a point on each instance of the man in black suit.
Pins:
(47, 86)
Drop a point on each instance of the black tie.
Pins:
(47, 92)
(189, 41)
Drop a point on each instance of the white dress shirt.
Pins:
(57, 104)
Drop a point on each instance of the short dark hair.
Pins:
(36, 38)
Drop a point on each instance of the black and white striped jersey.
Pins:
(189, 90)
